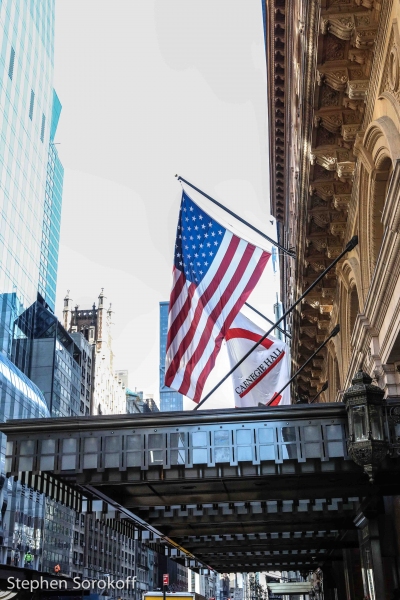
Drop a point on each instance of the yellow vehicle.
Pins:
(173, 596)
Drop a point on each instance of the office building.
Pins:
(169, 399)
(31, 174)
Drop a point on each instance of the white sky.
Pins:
(151, 88)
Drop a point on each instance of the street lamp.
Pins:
(367, 445)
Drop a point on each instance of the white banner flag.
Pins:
(264, 372)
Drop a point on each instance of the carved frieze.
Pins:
(309, 314)
(357, 89)
(323, 190)
(358, 56)
(329, 97)
(333, 251)
(317, 240)
(320, 215)
(364, 38)
(336, 159)
(341, 201)
(341, 26)
(335, 49)
(338, 228)
(349, 131)
(345, 170)
(308, 330)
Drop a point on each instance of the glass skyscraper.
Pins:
(31, 174)
(169, 399)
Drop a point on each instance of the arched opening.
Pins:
(379, 188)
(354, 309)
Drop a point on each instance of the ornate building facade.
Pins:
(334, 104)
(334, 94)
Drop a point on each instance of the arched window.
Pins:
(379, 187)
(354, 308)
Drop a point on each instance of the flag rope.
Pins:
(287, 334)
(349, 246)
(290, 252)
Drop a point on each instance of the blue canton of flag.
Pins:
(197, 241)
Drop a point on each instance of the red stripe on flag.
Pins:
(202, 303)
(238, 332)
(181, 316)
(213, 316)
(176, 288)
(228, 322)
(268, 370)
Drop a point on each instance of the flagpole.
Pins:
(324, 388)
(332, 334)
(269, 320)
(349, 246)
(290, 253)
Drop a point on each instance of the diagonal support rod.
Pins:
(349, 246)
(289, 252)
(332, 334)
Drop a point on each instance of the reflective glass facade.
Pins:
(46, 353)
(169, 399)
(30, 171)
(22, 514)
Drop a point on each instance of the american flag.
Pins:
(214, 273)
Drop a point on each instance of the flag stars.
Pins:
(213, 233)
(203, 226)
(191, 208)
(200, 217)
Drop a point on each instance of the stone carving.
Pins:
(365, 38)
(335, 49)
(336, 79)
(357, 89)
(338, 228)
(329, 97)
(353, 104)
(345, 170)
(331, 121)
(325, 138)
(319, 242)
(349, 132)
(333, 251)
(341, 201)
(365, 3)
(358, 56)
(320, 215)
(309, 330)
(320, 174)
(393, 69)
(309, 314)
(340, 26)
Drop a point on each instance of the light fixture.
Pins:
(367, 444)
